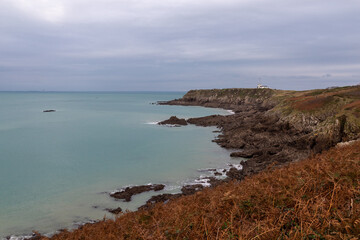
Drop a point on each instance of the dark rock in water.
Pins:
(128, 192)
(191, 189)
(50, 110)
(174, 121)
(115, 210)
(217, 174)
(159, 198)
(185, 190)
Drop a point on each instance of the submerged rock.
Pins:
(49, 110)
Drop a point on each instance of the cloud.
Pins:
(177, 45)
(47, 10)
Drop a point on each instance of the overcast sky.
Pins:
(177, 45)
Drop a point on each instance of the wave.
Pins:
(13, 237)
(231, 112)
(152, 123)
(172, 187)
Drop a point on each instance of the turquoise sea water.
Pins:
(55, 167)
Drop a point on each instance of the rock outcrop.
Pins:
(174, 121)
(128, 192)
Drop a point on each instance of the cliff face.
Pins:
(234, 99)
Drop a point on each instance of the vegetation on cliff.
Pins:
(318, 198)
(324, 109)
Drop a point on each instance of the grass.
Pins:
(322, 99)
(317, 198)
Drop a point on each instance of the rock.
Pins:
(247, 154)
(115, 210)
(214, 181)
(174, 121)
(159, 198)
(50, 110)
(191, 189)
(234, 173)
(128, 192)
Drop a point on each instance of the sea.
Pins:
(58, 168)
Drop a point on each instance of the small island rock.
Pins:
(173, 120)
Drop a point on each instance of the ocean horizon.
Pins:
(58, 168)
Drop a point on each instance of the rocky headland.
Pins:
(274, 127)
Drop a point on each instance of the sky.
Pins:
(178, 45)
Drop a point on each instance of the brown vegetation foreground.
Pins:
(318, 198)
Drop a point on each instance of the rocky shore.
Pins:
(258, 133)
(264, 132)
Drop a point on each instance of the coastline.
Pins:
(247, 126)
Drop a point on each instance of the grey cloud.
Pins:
(177, 45)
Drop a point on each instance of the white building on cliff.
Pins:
(262, 86)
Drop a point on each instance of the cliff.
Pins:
(234, 98)
(321, 110)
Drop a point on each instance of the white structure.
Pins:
(262, 86)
